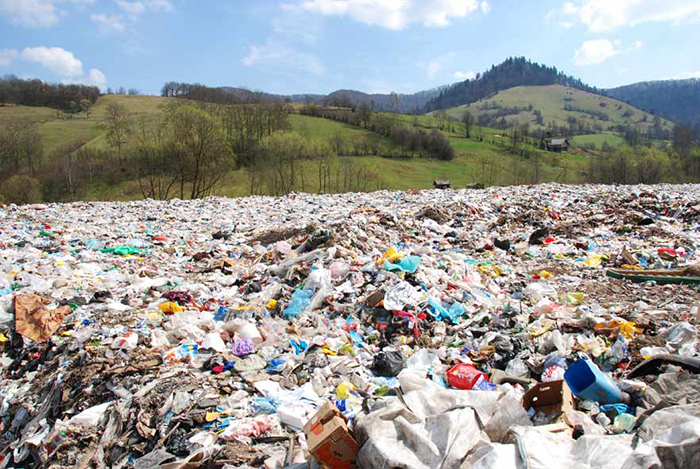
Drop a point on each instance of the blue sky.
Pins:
(317, 46)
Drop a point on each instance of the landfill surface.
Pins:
(209, 333)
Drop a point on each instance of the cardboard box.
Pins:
(550, 398)
(329, 439)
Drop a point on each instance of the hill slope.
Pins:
(558, 105)
(474, 161)
(511, 73)
(677, 100)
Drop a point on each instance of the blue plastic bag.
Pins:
(300, 300)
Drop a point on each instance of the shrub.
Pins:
(21, 190)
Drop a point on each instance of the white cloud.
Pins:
(93, 78)
(109, 23)
(686, 75)
(30, 13)
(464, 75)
(444, 66)
(36, 13)
(607, 15)
(133, 9)
(7, 56)
(160, 5)
(274, 52)
(59, 61)
(598, 51)
(485, 8)
(137, 8)
(296, 25)
(566, 24)
(433, 68)
(395, 14)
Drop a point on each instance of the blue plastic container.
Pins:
(587, 381)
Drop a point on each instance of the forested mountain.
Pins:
(677, 100)
(515, 71)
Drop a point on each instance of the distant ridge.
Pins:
(676, 100)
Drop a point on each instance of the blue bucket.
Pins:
(587, 381)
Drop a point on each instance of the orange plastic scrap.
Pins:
(626, 328)
(34, 321)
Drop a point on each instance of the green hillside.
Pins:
(486, 161)
(557, 104)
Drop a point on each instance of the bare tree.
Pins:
(468, 121)
(118, 128)
(20, 147)
(203, 155)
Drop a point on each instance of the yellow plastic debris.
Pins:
(170, 307)
(3, 339)
(544, 274)
(344, 389)
(545, 327)
(593, 261)
(272, 304)
(626, 328)
(211, 416)
(391, 255)
(491, 270)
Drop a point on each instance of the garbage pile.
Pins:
(431, 329)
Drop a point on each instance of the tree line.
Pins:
(207, 94)
(410, 141)
(188, 152)
(35, 92)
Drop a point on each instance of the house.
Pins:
(441, 184)
(558, 145)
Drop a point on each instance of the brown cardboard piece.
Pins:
(329, 438)
(34, 321)
(553, 397)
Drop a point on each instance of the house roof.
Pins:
(441, 183)
(559, 141)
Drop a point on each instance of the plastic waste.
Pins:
(623, 423)
(465, 376)
(539, 291)
(242, 347)
(587, 381)
(406, 264)
(300, 300)
(126, 341)
(388, 364)
(90, 417)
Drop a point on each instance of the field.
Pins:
(551, 102)
(597, 140)
(475, 161)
